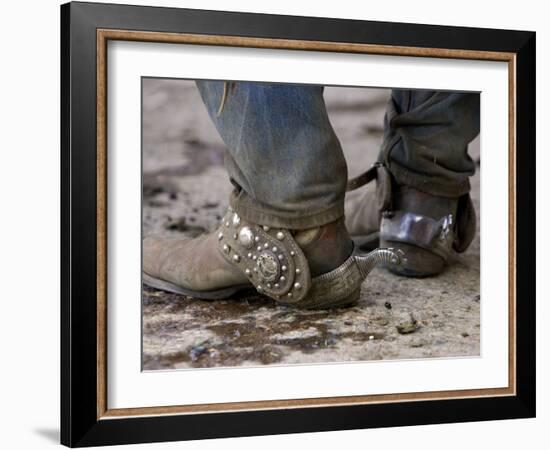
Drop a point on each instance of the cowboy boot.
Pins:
(428, 228)
(315, 268)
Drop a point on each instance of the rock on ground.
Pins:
(185, 191)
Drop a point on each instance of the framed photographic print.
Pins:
(277, 224)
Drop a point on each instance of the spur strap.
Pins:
(364, 178)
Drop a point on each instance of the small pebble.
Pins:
(381, 321)
(196, 352)
(409, 326)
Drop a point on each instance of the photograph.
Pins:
(292, 224)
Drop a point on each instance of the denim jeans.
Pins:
(286, 163)
(426, 136)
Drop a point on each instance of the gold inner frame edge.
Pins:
(103, 36)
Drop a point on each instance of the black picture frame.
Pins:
(80, 424)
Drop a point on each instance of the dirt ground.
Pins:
(185, 191)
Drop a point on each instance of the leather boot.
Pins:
(427, 228)
(315, 268)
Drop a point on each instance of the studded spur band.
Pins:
(277, 267)
(271, 259)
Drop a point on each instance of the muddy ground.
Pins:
(185, 193)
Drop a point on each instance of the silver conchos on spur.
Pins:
(268, 266)
(246, 237)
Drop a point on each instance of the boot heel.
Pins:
(339, 287)
(350, 300)
(419, 262)
(314, 302)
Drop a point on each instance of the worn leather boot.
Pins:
(426, 227)
(315, 268)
